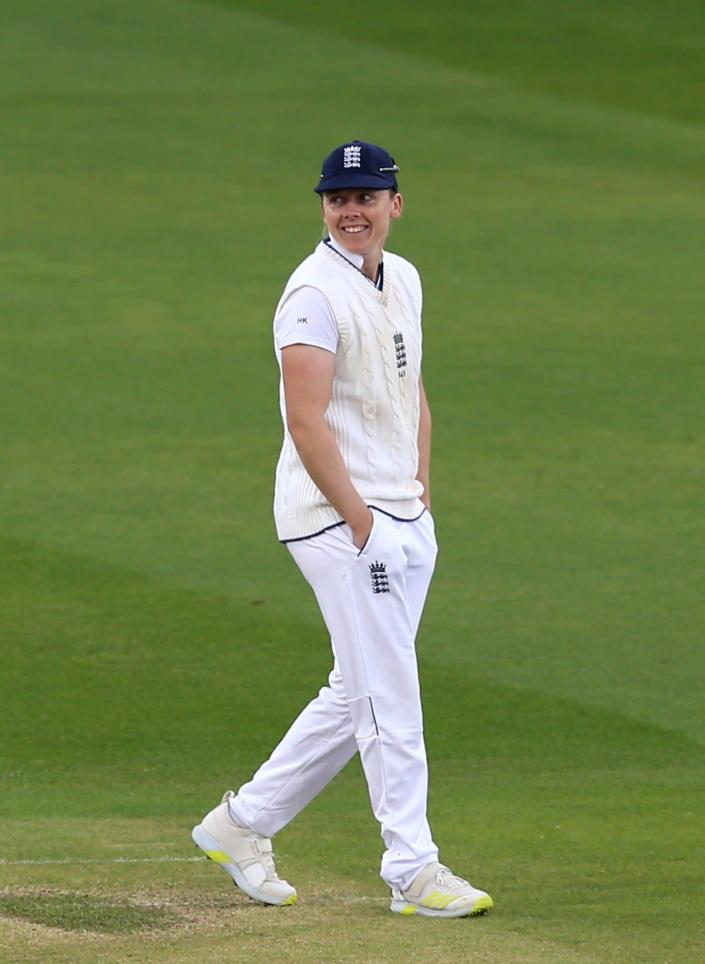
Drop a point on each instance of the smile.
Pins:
(355, 228)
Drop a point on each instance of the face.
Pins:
(359, 219)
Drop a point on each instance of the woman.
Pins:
(352, 504)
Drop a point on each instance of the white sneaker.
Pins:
(436, 892)
(245, 855)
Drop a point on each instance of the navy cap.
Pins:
(357, 164)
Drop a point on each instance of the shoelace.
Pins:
(268, 864)
(444, 878)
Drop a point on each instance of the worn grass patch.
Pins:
(70, 911)
(330, 927)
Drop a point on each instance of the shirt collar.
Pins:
(355, 259)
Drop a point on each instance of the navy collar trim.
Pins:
(378, 284)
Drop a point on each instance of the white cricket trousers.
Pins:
(371, 601)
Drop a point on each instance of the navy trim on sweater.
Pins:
(314, 534)
(379, 283)
(342, 523)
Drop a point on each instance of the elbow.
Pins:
(302, 428)
(295, 425)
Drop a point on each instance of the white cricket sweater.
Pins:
(374, 407)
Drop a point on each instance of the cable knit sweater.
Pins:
(374, 407)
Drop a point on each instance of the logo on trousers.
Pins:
(378, 575)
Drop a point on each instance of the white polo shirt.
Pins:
(307, 317)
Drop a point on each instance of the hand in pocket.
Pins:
(361, 535)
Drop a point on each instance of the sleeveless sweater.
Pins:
(374, 407)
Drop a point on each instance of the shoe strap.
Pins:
(262, 845)
(426, 874)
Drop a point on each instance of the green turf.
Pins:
(155, 640)
(641, 55)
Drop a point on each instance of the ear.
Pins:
(397, 207)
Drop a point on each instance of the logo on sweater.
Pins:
(378, 575)
(400, 349)
(351, 155)
(302, 321)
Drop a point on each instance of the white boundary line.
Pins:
(5, 862)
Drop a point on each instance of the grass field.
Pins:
(157, 171)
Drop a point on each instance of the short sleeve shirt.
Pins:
(306, 318)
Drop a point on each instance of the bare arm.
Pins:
(308, 381)
(424, 443)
